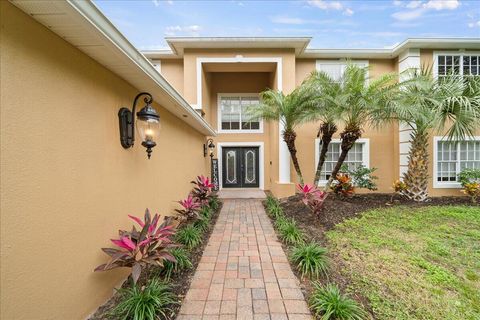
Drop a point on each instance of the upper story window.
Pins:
(358, 155)
(336, 68)
(451, 157)
(233, 116)
(464, 64)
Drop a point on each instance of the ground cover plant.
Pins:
(311, 259)
(414, 264)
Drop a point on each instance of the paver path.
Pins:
(244, 273)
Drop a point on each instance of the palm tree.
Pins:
(360, 102)
(289, 110)
(324, 89)
(428, 105)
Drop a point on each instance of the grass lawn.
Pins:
(413, 263)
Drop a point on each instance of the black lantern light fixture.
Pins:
(148, 124)
(210, 146)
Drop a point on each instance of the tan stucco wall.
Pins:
(172, 70)
(67, 185)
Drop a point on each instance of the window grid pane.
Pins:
(233, 113)
(454, 156)
(353, 160)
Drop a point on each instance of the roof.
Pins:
(300, 44)
(83, 25)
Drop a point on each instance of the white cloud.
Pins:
(287, 20)
(418, 8)
(331, 5)
(157, 2)
(442, 4)
(474, 24)
(348, 12)
(408, 15)
(192, 30)
(414, 4)
(397, 3)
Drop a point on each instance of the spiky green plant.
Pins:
(205, 212)
(182, 262)
(289, 232)
(328, 303)
(147, 303)
(189, 236)
(214, 203)
(202, 223)
(311, 259)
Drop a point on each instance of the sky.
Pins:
(331, 24)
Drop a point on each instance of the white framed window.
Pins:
(233, 116)
(451, 157)
(461, 63)
(358, 155)
(336, 68)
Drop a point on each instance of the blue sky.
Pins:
(332, 24)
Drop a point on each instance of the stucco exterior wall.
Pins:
(67, 184)
(172, 70)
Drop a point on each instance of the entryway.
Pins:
(240, 167)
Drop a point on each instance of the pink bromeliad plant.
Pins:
(190, 208)
(313, 197)
(202, 189)
(139, 248)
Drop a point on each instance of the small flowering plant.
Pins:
(202, 189)
(139, 248)
(313, 198)
(191, 208)
(472, 189)
(343, 185)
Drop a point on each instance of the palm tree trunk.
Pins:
(289, 137)
(349, 137)
(327, 130)
(416, 177)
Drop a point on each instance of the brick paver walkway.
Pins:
(244, 273)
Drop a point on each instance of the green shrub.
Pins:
(206, 212)
(214, 203)
(329, 303)
(182, 263)
(202, 223)
(271, 200)
(189, 236)
(311, 259)
(362, 177)
(273, 207)
(289, 232)
(468, 175)
(144, 303)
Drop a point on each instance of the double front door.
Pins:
(240, 167)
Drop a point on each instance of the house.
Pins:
(221, 77)
(67, 182)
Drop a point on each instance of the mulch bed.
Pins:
(337, 209)
(179, 282)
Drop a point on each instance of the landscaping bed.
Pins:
(179, 281)
(400, 259)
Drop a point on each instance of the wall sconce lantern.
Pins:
(210, 146)
(148, 124)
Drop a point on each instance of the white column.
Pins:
(284, 157)
(408, 59)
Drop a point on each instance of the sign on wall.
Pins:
(215, 174)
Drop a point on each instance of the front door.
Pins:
(240, 167)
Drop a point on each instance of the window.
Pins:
(456, 63)
(451, 157)
(358, 155)
(233, 114)
(336, 68)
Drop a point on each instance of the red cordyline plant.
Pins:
(190, 209)
(202, 189)
(313, 198)
(139, 248)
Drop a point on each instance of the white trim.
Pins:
(440, 184)
(460, 53)
(261, 164)
(365, 154)
(219, 114)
